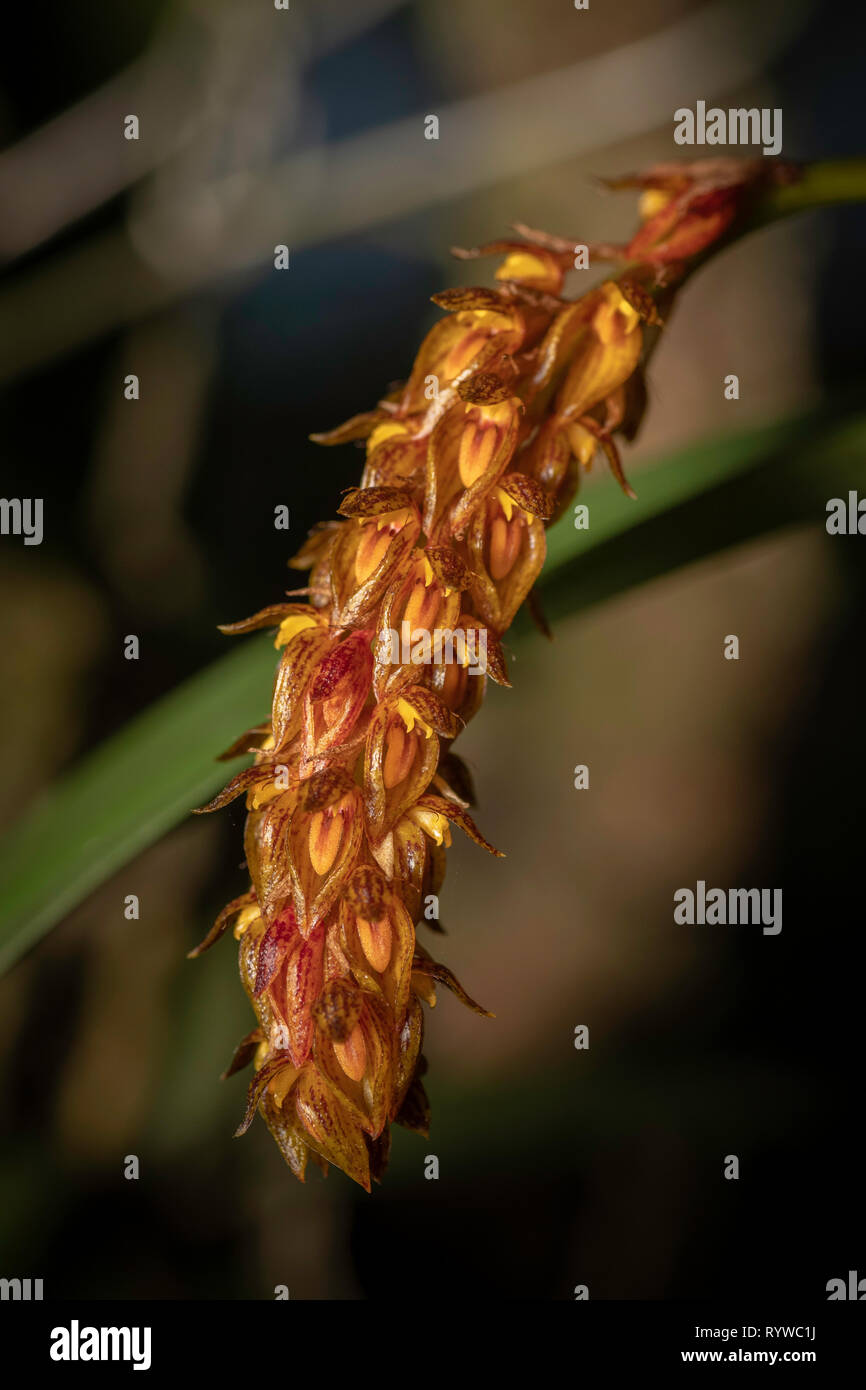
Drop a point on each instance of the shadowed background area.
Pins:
(558, 1167)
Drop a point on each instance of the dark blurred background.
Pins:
(558, 1167)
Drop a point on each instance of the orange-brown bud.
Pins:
(378, 935)
(401, 754)
(336, 694)
(508, 546)
(323, 840)
(422, 602)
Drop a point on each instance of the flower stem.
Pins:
(823, 184)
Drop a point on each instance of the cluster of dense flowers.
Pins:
(355, 785)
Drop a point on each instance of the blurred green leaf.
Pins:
(702, 500)
(127, 794)
(144, 780)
